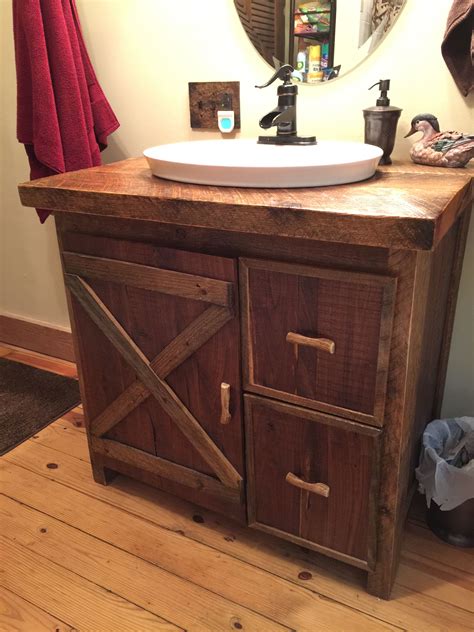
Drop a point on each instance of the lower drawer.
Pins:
(313, 479)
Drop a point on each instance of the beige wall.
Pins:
(145, 52)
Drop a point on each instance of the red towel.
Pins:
(63, 115)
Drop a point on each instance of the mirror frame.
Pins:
(274, 11)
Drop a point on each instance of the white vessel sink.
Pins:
(244, 163)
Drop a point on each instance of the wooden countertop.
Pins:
(403, 206)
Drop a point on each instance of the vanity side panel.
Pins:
(435, 322)
(427, 283)
(434, 335)
(458, 257)
(432, 281)
(413, 271)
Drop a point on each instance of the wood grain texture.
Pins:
(433, 589)
(120, 212)
(175, 353)
(352, 310)
(161, 467)
(178, 341)
(280, 441)
(454, 281)
(64, 594)
(435, 274)
(19, 615)
(37, 337)
(150, 278)
(163, 393)
(159, 550)
(40, 361)
(184, 602)
(403, 207)
(75, 227)
(413, 273)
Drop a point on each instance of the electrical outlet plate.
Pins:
(206, 98)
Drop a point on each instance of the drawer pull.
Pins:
(316, 488)
(323, 344)
(225, 403)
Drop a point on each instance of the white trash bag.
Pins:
(446, 469)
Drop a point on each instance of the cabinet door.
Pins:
(313, 479)
(318, 337)
(158, 340)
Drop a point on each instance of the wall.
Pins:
(146, 51)
(348, 52)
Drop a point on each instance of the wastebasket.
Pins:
(446, 477)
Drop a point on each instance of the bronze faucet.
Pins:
(283, 117)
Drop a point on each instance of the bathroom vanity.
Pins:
(271, 354)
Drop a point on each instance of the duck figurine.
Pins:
(439, 149)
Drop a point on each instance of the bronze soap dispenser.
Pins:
(381, 122)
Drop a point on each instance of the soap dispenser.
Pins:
(381, 122)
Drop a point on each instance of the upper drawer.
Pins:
(318, 337)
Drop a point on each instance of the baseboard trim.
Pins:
(38, 337)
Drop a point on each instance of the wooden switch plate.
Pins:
(206, 98)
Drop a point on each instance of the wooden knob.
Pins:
(225, 403)
(323, 344)
(315, 488)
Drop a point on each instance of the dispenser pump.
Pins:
(381, 122)
(384, 87)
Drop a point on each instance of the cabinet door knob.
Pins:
(323, 344)
(316, 488)
(225, 403)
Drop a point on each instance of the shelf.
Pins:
(312, 35)
(310, 12)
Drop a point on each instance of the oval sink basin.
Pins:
(245, 163)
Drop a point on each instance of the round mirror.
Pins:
(321, 39)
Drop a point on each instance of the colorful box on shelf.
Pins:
(314, 7)
(311, 29)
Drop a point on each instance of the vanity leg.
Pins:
(101, 474)
(380, 581)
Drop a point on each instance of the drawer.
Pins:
(313, 479)
(318, 337)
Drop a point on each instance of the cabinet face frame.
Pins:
(389, 285)
(250, 401)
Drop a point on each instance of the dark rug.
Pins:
(30, 399)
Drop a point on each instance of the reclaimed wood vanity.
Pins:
(271, 354)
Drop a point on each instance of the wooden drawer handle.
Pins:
(315, 488)
(225, 403)
(323, 344)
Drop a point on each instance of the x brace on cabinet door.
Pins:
(151, 375)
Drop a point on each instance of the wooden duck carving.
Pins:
(439, 149)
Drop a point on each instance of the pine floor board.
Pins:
(18, 615)
(127, 576)
(138, 557)
(68, 596)
(293, 606)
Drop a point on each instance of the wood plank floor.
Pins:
(80, 556)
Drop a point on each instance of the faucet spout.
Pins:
(280, 118)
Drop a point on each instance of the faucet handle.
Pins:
(283, 73)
